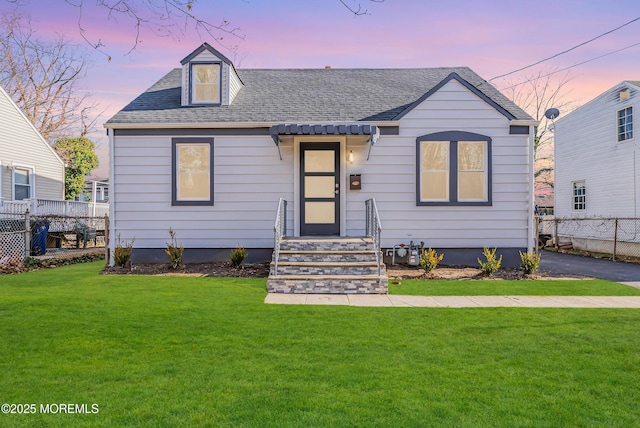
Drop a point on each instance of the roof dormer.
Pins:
(208, 78)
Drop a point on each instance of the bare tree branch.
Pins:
(43, 78)
(164, 18)
(536, 94)
(356, 7)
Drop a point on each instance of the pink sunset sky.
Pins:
(493, 37)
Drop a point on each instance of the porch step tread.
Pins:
(326, 277)
(327, 239)
(336, 264)
(327, 251)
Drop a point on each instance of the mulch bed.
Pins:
(256, 270)
(261, 270)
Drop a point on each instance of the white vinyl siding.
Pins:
(20, 144)
(587, 146)
(390, 177)
(249, 179)
(234, 85)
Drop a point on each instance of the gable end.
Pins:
(469, 86)
(206, 47)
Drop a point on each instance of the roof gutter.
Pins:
(524, 122)
(235, 125)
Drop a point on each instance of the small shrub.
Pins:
(238, 254)
(174, 251)
(429, 259)
(31, 263)
(491, 263)
(122, 255)
(529, 262)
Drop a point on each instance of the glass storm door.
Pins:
(320, 189)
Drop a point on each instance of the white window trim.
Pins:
(32, 179)
(192, 83)
(618, 124)
(573, 196)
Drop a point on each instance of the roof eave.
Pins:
(238, 125)
(524, 122)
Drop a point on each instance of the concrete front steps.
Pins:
(327, 266)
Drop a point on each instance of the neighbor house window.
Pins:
(453, 168)
(22, 183)
(625, 124)
(205, 83)
(579, 196)
(192, 175)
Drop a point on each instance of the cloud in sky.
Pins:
(492, 38)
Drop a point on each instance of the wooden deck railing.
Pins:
(55, 207)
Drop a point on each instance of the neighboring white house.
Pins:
(208, 151)
(597, 169)
(95, 189)
(29, 167)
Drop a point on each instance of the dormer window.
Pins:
(208, 79)
(205, 83)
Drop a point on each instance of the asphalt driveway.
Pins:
(569, 264)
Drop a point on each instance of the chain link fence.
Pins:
(617, 237)
(50, 239)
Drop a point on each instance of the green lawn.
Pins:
(163, 351)
(581, 287)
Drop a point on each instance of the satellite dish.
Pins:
(552, 113)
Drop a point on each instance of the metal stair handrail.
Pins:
(279, 231)
(374, 228)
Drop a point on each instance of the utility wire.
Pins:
(572, 66)
(566, 51)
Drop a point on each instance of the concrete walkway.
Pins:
(455, 301)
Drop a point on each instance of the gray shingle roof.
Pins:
(305, 95)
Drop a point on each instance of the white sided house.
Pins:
(597, 164)
(29, 167)
(435, 155)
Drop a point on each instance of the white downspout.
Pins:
(531, 242)
(112, 202)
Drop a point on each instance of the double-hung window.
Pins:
(192, 171)
(22, 183)
(453, 168)
(579, 196)
(625, 124)
(205, 83)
